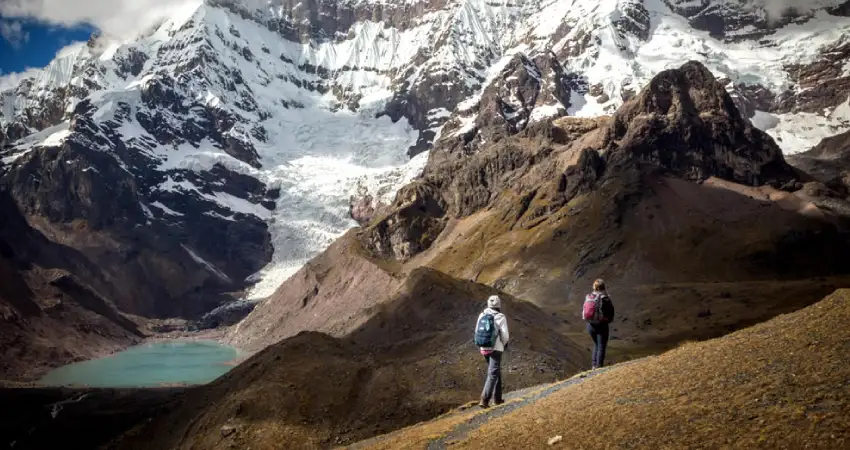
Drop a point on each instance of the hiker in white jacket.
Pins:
(492, 353)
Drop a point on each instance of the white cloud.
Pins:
(13, 32)
(115, 18)
(11, 80)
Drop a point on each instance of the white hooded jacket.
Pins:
(501, 325)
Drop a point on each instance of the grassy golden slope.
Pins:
(689, 262)
(783, 384)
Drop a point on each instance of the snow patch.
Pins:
(764, 121)
(797, 133)
(206, 264)
(52, 136)
(238, 205)
(438, 113)
(166, 209)
(12, 158)
(582, 105)
(546, 111)
(55, 139)
(146, 210)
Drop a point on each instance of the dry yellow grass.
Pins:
(783, 384)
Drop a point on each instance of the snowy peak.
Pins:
(430, 56)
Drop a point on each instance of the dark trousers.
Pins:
(599, 334)
(493, 385)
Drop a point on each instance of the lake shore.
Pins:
(150, 329)
(157, 363)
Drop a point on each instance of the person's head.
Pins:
(494, 302)
(599, 285)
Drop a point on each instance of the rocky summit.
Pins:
(335, 187)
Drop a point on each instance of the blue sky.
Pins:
(28, 43)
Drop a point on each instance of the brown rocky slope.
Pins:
(48, 315)
(829, 164)
(412, 360)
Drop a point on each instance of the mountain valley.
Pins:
(334, 188)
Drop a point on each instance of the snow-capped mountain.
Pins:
(236, 131)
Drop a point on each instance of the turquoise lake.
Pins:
(148, 365)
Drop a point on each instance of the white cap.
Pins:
(494, 302)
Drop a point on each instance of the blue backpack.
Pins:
(486, 332)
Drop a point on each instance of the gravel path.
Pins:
(479, 417)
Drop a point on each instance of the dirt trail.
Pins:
(477, 417)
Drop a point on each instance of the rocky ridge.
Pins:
(684, 124)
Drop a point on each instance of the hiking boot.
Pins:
(484, 403)
(498, 402)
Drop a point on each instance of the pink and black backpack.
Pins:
(592, 309)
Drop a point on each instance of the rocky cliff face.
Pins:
(829, 164)
(684, 123)
(97, 193)
(51, 308)
(677, 186)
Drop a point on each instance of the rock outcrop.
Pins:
(739, 21)
(829, 162)
(824, 84)
(686, 123)
(527, 88)
(52, 311)
(683, 124)
(829, 165)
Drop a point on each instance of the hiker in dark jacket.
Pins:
(491, 336)
(598, 312)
